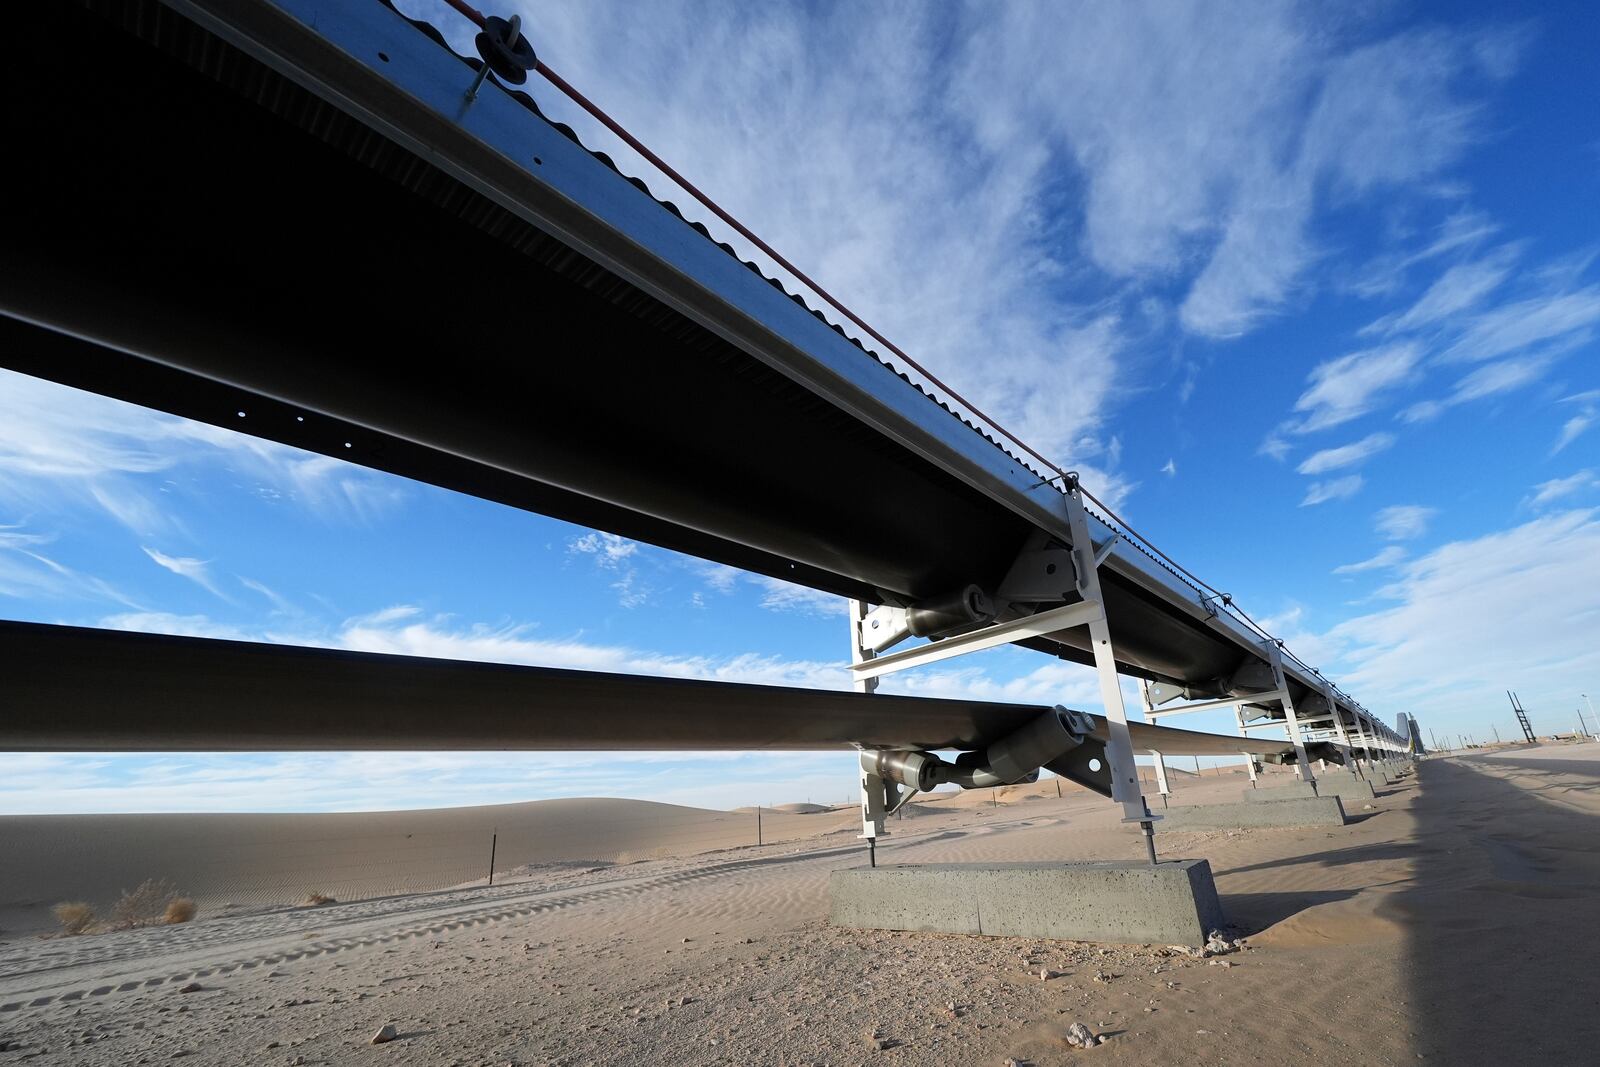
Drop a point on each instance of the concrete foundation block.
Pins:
(1334, 785)
(1281, 792)
(1348, 786)
(1297, 811)
(1174, 902)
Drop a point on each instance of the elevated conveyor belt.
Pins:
(284, 217)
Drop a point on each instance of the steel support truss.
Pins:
(1278, 694)
(1108, 766)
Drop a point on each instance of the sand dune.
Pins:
(237, 862)
(256, 860)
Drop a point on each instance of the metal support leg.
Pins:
(1364, 735)
(1249, 757)
(1160, 761)
(872, 809)
(1119, 747)
(1161, 775)
(1302, 764)
(1338, 725)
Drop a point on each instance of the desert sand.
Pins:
(1453, 921)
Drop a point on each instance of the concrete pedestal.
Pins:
(1281, 792)
(1298, 811)
(1334, 785)
(1174, 902)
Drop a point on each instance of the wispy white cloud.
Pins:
(608, 550)
(613, 553)
(60, 446)
(1403, 522)
(1337, 489)
(174, 625)
(1437, 651)
(779, 595)
(279, 603)
(1385, 114)
(1492, 379)
(1560, 488)
(1458, 289)
(1170, 468)
(1351, 386)
(1588, 414)
(1387, 557)
(1514, 327)
(1462, 229)
(196, 570)
(719, 577)
(1350, 455)
(26, 572)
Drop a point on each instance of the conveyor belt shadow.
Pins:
(1502, 923)
(1340, 857)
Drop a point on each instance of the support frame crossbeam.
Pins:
(1004, 633)
(1225, 702)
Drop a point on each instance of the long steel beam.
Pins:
(88, 690)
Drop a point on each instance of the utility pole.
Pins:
(1496, 730)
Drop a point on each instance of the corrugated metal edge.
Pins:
(526, 100)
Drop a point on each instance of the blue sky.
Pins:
(1312, 297)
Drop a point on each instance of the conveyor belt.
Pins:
(286, 209)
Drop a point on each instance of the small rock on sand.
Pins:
(192, 987)
(387, 1032)
(1080, 1036)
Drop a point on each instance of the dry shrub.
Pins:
(179, 910)
(315, 899)
(144, 906)
(75, 917)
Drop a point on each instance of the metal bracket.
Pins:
(1044, 573)
(883, 627)
(1075, 766)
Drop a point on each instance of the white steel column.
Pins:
(1249, 757)
(872, 810)
(1301, 763)
(1338, 724)
(1119, 747)
(1161, 775)
(1364, 729)
(1160, 761)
